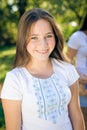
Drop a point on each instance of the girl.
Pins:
(41, 92)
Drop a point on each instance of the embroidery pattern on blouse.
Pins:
(51, 98)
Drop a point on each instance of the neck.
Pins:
(40, 69)
(39, 63)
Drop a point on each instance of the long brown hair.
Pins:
(25, 23)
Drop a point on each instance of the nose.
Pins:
(44, 43)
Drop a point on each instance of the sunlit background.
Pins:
(68, 14)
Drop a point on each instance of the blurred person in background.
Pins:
(77, 52)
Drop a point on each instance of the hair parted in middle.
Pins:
(24, 27)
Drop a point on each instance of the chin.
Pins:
(43, 58)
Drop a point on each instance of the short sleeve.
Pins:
(66, 71)
(11, 88)
(74, 42)
(72, 75)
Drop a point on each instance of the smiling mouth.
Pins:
(43, 51)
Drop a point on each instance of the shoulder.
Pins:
(15, 72)
(12, 86)
(75, 40)
(77, 37)
(15, 75)
(62, 64)
(66, 70)
(76, 34)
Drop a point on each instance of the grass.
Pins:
(2, 123)
(6, 63)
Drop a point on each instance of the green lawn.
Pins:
(6, 64)
(2, 123)
(6, 61)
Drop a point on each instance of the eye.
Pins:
(50, 36)
(34, 38)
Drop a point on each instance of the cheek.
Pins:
(52, 43)
(29, 47)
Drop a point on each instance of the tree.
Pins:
(7, 23)
(21, 4)
(64, 11)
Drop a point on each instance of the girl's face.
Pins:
(41, 40)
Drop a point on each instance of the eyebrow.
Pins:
(49, 33)
(33, 35)
(38, 35)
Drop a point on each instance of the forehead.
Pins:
(40, 26)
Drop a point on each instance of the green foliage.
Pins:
(6, 61)
(64, 11)
(8, 26)
(2, 122)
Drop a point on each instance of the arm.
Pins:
(12, 112)
(82, 83)
(74, 109)
(71, 53)
(82, 90)
(83, 78)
